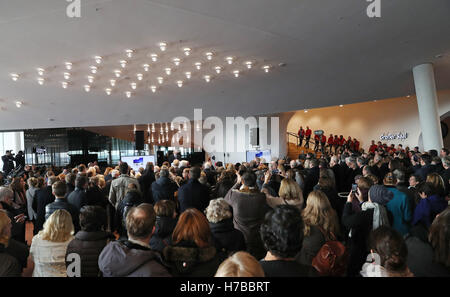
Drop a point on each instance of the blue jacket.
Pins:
(401, 209)
(428, 208)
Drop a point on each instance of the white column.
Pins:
(428, 107)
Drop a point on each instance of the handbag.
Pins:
(332, 258)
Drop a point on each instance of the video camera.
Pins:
(18, 171)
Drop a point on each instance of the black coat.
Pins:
(61, 203)
(280, 268)
(95, 196)
(226, 238)
(17, 229)
(132, 198)
(19, 251)
(9, 266)
(8, 164)
(163, 189)
(162, 236)
(78, 198)
(424, 171)
(70, 188)
(193, 195)
(89, 245)
(187, 260)
(311, 246)
(361, 225)
(145, 181)
(311, 179)
(43, 197)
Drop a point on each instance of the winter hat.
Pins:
(380, 194)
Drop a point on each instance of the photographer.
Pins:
(8, 162)
(20, 159)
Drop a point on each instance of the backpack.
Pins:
(332, 258)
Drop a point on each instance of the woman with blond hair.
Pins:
(321, 225)
(438, 183)
(240, 264)
(9, 266)
(48, 248)
(289, 193)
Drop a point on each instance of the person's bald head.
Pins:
(140, 221)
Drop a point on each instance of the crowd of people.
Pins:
(380, 213)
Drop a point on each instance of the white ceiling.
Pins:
(334, 53)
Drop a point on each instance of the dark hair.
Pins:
(59, 188)
(440, 237)
(427, 188)
(165, 208)
(92, 218)
(282, 231)
(140, 220)
(81, 181)
(391, 247)
(426, 158)
(249, 179)
(123, 168)
(195, 172)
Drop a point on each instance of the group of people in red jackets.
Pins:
(339, 144)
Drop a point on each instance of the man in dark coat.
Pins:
(42, 198)
(78, 197)
(426, 167)
(164, 188)
(312, 177)
(134, 257)
(59, 191)
(8, 162)
(20, 159)
(193, 194)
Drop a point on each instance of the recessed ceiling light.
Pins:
(139, 76)
(66, 75)
(68, 65)
(162, 46)
(112, 82)
(98, 59)
(153, 88)
(180, 83)
(93, 69)
(306, 110)
(408, 96)
(154, 57)
(266, 68)
(128, 94)
(218, 69)
(207, 78)
(129, 53)
(40, 80)
(160, 79)
(19, 104)
(236, 73)
(209, 55)
(229, 60)
(90, 78)
(146, 67)
(64, 84)
(249, 64)
(133, 85)
(341, 105)
(188, 75)
(176, 61)
(187, 51)
(108, 91)
(87, 88)
(168, 71)
(198, 65)
(117, 72)
(40, 71)
(14, 76)
(123, 63)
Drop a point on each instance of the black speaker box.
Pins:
(139, 140)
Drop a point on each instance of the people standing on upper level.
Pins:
(301, 135)
(308, 133)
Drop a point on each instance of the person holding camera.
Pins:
(8, 162)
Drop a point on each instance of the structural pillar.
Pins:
(428, 107)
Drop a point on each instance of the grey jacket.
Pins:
(119, 187)
(30, 196)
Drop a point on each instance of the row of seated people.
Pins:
(261, 205)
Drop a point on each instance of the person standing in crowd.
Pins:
(226, 238)
(330, 143)
(249, 207)
(146, 180)
(31, 195)
(289, 194)
(78, 197)
(120, 185)
(8, 163)
(282, 234)
(356, 145)
(20, 159)
(134, 257)
(70, 183)
(166, 220)
(17, 216)
(308, 133)
(164, 187)
(9, 265)
(192, 252)
(301, 135)
(193, 194)
(48, 247)
(426, 167)
(429, 205)
(391, 254)
(90, 240)
(323, 142)
(336, 144)
(59, 191)
(316, 142)
(240, 264)
(43, 197)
